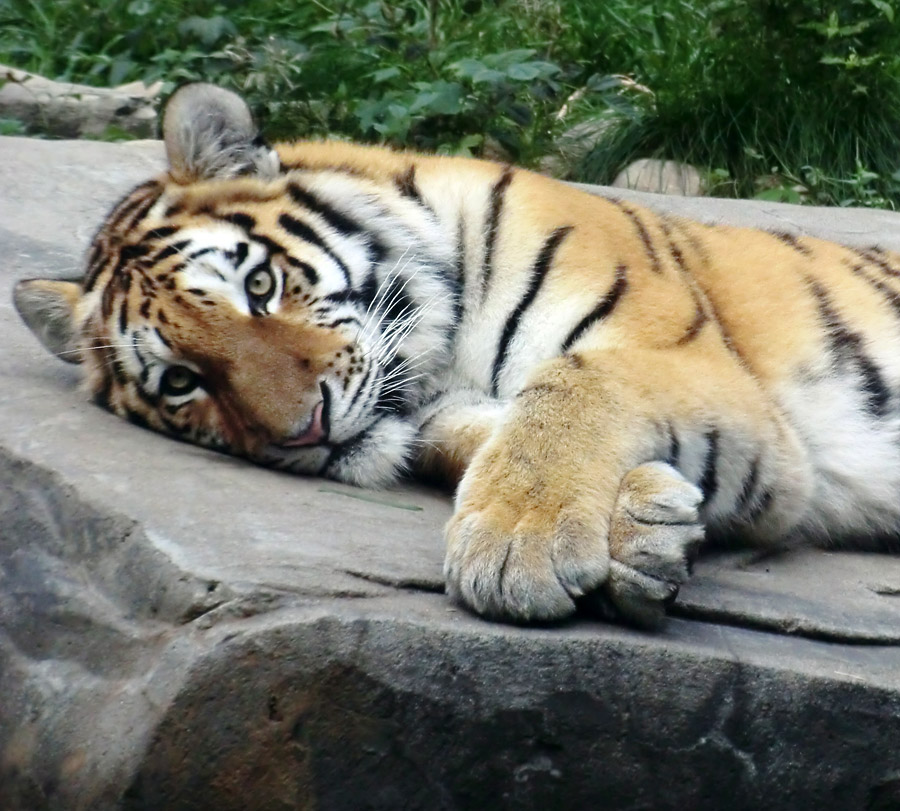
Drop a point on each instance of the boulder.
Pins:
(180, 629)
(660, 177)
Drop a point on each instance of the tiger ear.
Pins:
(47, 306)
(210, 134)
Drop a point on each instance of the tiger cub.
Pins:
(602, 382)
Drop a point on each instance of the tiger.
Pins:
(604, 387)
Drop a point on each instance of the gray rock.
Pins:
(660, 177)
(179, 629)
(69, 110)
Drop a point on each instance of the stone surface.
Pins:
(179, 629)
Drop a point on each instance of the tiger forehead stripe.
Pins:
(303, 231)
(130, 210)
(337, 220)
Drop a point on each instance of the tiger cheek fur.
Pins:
(605, 385)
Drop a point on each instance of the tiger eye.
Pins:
(259, 283)
(178, 380)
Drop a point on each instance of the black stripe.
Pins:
(700, 318)
(307, 269)
(872, 256)
(541, 266)
(849, 346)
(339, 451)
(240, 253)
(711, 309)
(350, 319)
(791, 241)
(458, 282)
(360, 389)
(132, 208)
(677, 253)
(136, 418)
(301, 230)
(102, 395)
(891, 295)
(393, 399)
(141, 211)
(274, 248)
(644, 234)
(204, 251)
(495, 209)
(396, 302)
(118, 370)
(244, 221)
(601, 311)
(369, 288)
(407, 186)
(159, 233)
(338, 221)
(136, 203)
(762, 505)
(748, 489)
(709, 482)
(175, 248)
(160, 335)
(340, 297)
(674, 455)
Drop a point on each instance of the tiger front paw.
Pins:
(654, 533)
(522, 564)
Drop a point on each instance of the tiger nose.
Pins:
(315, 432)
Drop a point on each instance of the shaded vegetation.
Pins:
(793, 100)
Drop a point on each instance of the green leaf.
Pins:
(488, 76)
(12, 126)
(467, 68)
(140, 8)
(528, 71)
(209, 30)
(384, 74)
(782, 194)
(441, 98)
(885, 8)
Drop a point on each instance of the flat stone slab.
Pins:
(179, 629)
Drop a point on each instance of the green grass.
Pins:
(796, 100)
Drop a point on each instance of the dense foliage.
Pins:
(789, 99)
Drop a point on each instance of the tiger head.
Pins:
(296, 317)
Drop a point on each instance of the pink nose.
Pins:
(314, 434)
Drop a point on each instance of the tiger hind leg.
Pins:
(654, 532)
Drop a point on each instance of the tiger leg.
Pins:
(451, 430)
(559, 499)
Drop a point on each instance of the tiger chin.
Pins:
(603, 385)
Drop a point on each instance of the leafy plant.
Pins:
(788, 99)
